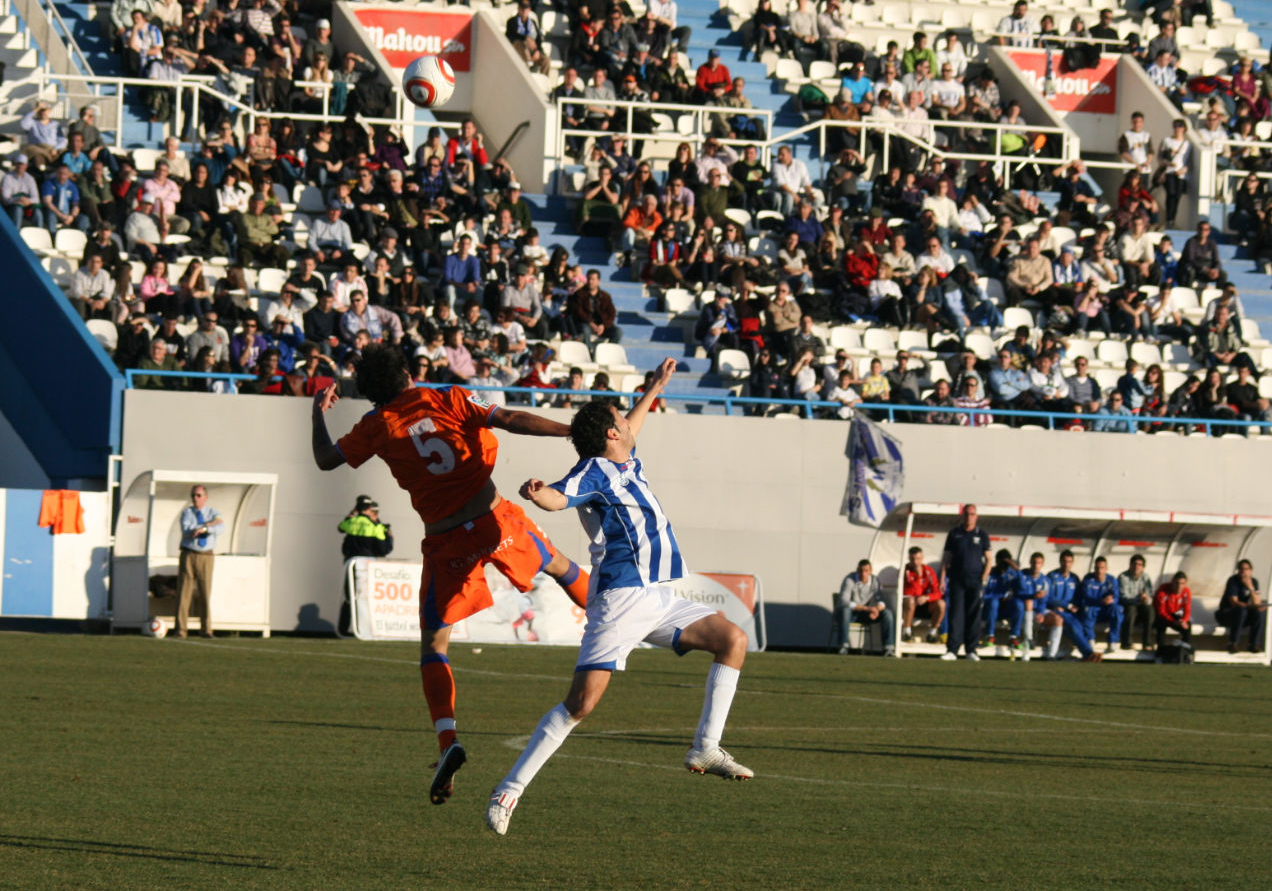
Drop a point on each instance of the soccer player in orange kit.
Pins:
(439, 447)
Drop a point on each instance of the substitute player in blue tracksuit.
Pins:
(1100, 601)
(1000, 595)
(1063, 612)
(1034, 585)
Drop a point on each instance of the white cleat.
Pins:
(947, 656)
(718, 762)
(972, 657)
(499, 813)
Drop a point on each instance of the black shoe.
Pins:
(447, 766)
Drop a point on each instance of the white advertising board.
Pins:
(386, 605)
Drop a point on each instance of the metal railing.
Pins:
(886, 130)
(702, 116)
(46, 27)
(1223, 177)
(201, 85)
(885, 411)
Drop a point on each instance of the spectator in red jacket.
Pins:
(1173, 607)
(468, 142)
(922, 597)
(713, 73)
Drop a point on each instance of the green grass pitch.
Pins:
(128, 763)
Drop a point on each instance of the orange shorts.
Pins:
(453, 583)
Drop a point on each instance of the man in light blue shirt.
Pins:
(860, 89)
(200, 526)
(61, 200)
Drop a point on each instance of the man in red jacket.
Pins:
(1172, 605)
(923, 597)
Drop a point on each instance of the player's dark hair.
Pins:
(589, 427)
(1138, 558)
(1037, 554)
(1099, 560)
(915, 550)
(381, 373)
(1241, 563)
(1066, 553)
(862, 564)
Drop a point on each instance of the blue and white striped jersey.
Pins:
(632, 544)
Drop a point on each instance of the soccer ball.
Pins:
(156, 627)
(428, 82)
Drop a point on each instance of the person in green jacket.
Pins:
(364, 534)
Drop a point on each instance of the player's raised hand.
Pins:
(530, 487)
(664, 372)
(326, 398)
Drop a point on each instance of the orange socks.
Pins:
(574, 583)
(439, 691)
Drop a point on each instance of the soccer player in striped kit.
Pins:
(634, 551)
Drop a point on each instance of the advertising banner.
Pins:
(386, 605)
(403, 35)
(1090, 90)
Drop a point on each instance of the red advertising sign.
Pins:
(405, 35)
(1090, 90)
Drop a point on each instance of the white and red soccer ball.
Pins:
(156, 627)
(428, 82)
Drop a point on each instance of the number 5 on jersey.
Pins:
(441, 456)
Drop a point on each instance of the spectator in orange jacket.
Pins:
(1172, 605)
(640, 225)
(923, 598)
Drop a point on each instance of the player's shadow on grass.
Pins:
(334, 725)
(145, 852)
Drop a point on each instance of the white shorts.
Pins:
(618, 619)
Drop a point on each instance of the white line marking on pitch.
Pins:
(867, 699)
(518, 742)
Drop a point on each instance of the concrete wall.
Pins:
(744, 494)
(1034, 107)
(498, 92)
(1136, 92)
(64, 404)
(505, 95)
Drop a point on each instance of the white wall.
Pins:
(504, 96)
(744, 494)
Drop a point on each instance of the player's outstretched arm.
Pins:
(543, 495)
(326, 455)
(527, 424)
(636, 417)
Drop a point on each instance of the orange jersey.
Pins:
(437, 443)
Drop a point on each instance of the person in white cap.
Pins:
(19, 193)
(319, 43)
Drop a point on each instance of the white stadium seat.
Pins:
(734, 365)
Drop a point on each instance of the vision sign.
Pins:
(1090, 90)
(402, 36)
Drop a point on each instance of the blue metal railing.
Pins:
(879, 410)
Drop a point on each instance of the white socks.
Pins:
(722, 683)
(1053, 642)
(553, 728)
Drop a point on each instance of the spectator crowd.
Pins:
(436, 249)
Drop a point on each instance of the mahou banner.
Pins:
(386, 605)
(1090, 90)
(405, 35)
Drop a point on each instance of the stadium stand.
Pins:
(673, 278)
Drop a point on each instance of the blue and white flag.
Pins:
(876, 473)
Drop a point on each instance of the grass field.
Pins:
(128, 763)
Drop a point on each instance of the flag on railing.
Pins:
(876, 473)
